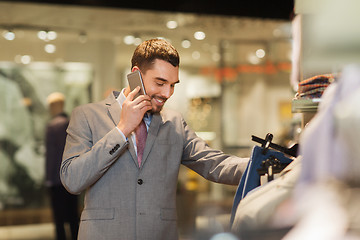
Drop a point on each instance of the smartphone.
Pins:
(135, 80)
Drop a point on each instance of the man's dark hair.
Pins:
(148, 51)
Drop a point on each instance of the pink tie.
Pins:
(140, 134)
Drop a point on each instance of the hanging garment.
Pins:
(325, 154)
(251, 178)
(258, 209)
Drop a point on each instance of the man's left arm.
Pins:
(212, 164)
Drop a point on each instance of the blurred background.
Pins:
(235, 72)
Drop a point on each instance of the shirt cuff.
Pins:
(122, 134)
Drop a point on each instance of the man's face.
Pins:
(159, 82)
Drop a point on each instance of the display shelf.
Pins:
(305, 105)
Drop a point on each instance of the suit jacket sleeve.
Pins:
(86, 161)
(212, 164)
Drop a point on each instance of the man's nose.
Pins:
(167, 92)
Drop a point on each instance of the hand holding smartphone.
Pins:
(135, 80)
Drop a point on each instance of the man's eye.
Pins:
(160, 84)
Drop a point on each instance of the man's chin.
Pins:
(155, 110)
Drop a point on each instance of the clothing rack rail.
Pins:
(266, 143)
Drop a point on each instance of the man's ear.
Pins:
(135, 68)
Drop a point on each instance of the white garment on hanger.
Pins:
(330, 157)
(325, 153)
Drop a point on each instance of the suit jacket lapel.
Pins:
(113, 107)
(115, 110)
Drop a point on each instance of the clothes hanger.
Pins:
(271, 166)
(266, 144)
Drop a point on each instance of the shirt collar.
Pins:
(121, 98)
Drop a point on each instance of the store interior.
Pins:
(239, 76)
(84, 51)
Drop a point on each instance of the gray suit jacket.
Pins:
(123, 200)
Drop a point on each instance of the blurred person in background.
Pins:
(64, 205)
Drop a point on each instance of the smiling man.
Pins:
(125, 153)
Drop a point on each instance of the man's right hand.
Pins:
(133, 111)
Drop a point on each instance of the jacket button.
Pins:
(140, 181)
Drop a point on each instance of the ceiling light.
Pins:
(9, 35)
(50, 48)
(137, 41)
(51, 35)
(25, 59)
(199, 35)
(129, 39)
(171, 24)
(42, 35)
(260, 53)
(196, 55)
(185, 43)
(47, 35)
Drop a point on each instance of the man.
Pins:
(126, 198)
(64, 204)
